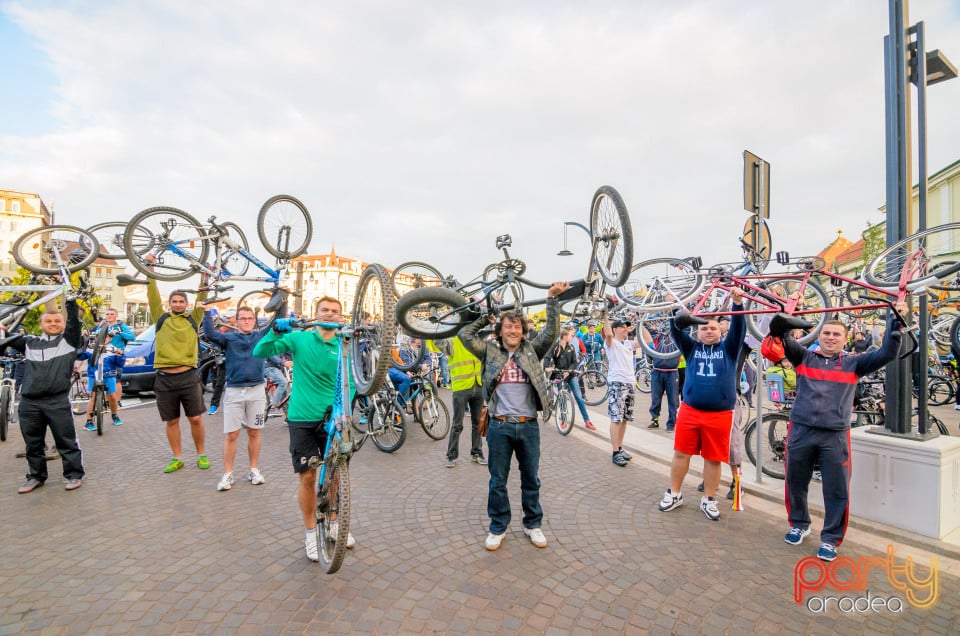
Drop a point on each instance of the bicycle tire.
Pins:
(774, 451)
(414, 275)
(564, 415)
(146, 236)
(941, 427)
(649, 282)
(855, 295)
(594, 387)
(389, 429)
(647, 348)
(331, 547)
(255, 300)
(99, 406)
(939, 391)
(207, 375)
(6, 397)
(814, 297)
(233, 261)
(643, 379)
(886, 269)
(431, 313)
(288, 220)
(110, 237)
(33, 251)
(368, 355)
(612, 236)
(416, 356)
(434, 416)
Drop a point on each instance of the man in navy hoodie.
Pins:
(244, 401)
(709, 395)
(819, 427)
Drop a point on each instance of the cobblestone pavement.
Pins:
(138, 551)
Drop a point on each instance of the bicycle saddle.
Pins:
(782, 323)
(126, 279)
(684, 319)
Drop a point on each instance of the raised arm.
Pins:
(73, 333)
(154, 300)
(272, 344)
(210, 331)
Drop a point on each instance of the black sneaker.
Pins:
(730, 493)
(700, 487)
(627, 456)
(654, 424)
(619, 459)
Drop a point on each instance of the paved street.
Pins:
(138, 551)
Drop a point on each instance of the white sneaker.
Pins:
(226, 482)
(709, 508)
(334, 527)
(255, 477)
(670, 501)
(536, 537)
(312, 553)
(493, 541)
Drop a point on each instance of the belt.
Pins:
(516, 419)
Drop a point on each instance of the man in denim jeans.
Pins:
(515, 388)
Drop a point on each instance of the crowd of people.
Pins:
(497, 367)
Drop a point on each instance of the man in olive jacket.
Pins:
(515, 387)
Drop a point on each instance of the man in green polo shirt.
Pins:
(315, 365)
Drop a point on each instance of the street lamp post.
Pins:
(565, 251)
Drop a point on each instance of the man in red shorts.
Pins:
(709, 395)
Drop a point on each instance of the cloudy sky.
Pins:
(421, 130)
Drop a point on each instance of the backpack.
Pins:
(162, 319)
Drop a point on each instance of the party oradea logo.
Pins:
(813, 580)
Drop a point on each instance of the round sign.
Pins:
(756, 241)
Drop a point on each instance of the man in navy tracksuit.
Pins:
(48, 370)
(820, 425)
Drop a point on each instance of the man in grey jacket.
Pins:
(515, 387)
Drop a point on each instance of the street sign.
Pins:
(756, 185)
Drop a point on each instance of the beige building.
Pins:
(20, 212)
(319, 275)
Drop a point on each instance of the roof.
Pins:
(830, 253)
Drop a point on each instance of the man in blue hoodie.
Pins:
(244, 400)
(709, 395)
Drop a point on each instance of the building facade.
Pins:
(20, 212)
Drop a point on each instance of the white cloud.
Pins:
(423, 130)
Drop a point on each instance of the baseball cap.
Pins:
(620, 323)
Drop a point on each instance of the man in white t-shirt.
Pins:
(620, 383)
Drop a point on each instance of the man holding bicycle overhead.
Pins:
(244, 401)
(515, 387)
(315, 358)
(45, 396)
(819, 428)
(709, 397)
(177, 341)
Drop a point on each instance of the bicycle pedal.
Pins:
(314, 463)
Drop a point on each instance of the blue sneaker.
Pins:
(796, 535)
(90, 426)
(116, 420)
(212, 411)
(827, 552)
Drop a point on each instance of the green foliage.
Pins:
(875, 241)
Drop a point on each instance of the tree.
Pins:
(874, 241)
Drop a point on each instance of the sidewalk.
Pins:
(657, 445)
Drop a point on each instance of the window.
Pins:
(14, 206)
(13, 226)
(3, 205)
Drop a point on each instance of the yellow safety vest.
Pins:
(465, 368)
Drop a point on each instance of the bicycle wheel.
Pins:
(657, 325)
(900, 260)
(207, 374)
(6, 411)
(38, 249)
(99, 406)
(564, 414)
(434, 416)
(431, 313)
(110, 237)
(940, 426)
(284, 227)
(594, 387)
(174, 238)
(651, 282)
(414, 354)
(813, 298)
(414, 275)
(774, 436)
(232, 260)
(856, 295)
(643, 378)
(939, 391)
(389, 428)
(612, 236)
(333, 514)
(374, 324)
(256, 300)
